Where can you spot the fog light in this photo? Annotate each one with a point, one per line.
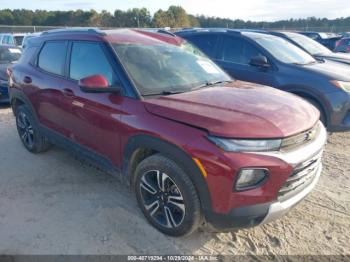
(250, 178)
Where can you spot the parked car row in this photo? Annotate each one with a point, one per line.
(196, 146)
(10, 52)
(16, 39)
(329, 40)
(8, 56)
(267, 59)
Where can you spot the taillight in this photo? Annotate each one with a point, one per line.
(348, 49)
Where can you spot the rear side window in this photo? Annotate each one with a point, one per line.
(52, 57)
(237, 50)
(205, 42)
(89, 59)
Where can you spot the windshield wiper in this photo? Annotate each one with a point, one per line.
(164, 93)
(308, 63)
(213, 83)
(218, 82)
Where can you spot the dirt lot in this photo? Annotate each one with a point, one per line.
(53, 203)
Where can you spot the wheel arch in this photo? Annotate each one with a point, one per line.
(301, 92)
(17, 98)
(140, 147)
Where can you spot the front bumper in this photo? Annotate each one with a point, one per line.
(307, 167)
(255, 215)
(339, 111)
(278, 209)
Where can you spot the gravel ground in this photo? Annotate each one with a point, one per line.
(53, 203)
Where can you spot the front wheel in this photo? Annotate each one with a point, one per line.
(167, 196)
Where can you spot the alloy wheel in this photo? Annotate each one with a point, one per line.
(162, 199)
(25, 129)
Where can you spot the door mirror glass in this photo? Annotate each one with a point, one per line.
(260, 61)
(96, 84)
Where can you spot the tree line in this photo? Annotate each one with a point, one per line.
(174, 17)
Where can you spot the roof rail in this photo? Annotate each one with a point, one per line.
(162, 31)
(75, 30)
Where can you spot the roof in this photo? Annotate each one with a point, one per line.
(116, 36)
(252, 33)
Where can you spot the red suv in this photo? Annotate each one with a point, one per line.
(195, 146)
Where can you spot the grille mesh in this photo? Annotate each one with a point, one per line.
(301, 177)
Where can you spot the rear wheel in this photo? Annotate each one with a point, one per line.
(28, 131)
(167, 196)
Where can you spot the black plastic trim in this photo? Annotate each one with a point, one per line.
(242, 217)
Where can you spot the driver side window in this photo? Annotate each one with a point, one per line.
(89, 59)
(238, 50)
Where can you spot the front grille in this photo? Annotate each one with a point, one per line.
(301, 138)
(301, 177)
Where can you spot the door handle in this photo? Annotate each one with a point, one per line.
(68, 92)
(27, 80)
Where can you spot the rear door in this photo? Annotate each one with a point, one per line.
(46, 86)
(234, 57)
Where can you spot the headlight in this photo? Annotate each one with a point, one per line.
(341, 84)
(246, 145)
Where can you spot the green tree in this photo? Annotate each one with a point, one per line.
(6, 17)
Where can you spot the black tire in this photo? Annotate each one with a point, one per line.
(323, 118)
(29, 132)
(170, 215)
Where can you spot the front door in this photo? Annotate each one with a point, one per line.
(236, 53)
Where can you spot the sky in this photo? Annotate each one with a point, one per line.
(255, 10)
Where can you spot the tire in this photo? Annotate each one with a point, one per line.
(323, 118)
(173, 207)
(29, 132)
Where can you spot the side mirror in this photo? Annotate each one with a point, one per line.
(96, 84)
(259, 61)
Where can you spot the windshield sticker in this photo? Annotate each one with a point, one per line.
(208, 67)
(14, 51)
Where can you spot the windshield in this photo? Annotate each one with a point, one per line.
(284, 51)
(308, 44)
(8, 55)
(158, 69)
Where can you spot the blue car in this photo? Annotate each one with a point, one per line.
(312, 47)
(329, 40)
(8, 56)
(270, 60)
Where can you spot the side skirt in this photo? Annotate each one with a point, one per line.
(81, 151)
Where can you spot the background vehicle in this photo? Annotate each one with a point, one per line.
(312, 47)
(326, 39)
(155, 109)
(343, 45)
(12, 39)
(27, 37)
(273, 61)
(8, 56)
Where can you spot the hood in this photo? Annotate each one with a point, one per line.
(338, 57)
(330, 69)
(238, 110)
